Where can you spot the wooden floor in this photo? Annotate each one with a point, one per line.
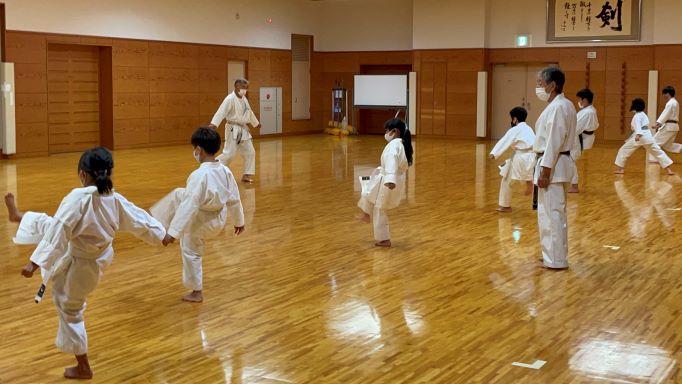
(304, 296)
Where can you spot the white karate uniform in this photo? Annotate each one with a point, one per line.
(376, 197)
(667, 133)
(237, 136)
(74, 248)
(587, 121)
(554, 135)
(521, 164)
(199, 212)
(640, 126)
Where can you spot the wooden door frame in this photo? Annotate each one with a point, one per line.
(106, 89)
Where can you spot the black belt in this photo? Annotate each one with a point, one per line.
(565, 153)
(671, 122)
(580, 138)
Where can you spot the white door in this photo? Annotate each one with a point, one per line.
(270, 110)
(235, 70)
(514, 86)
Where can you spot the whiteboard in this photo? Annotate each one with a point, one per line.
(380, 91)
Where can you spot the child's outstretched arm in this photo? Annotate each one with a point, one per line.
(137, 221)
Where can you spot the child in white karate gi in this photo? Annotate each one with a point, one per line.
(386, 187)
(74, 247)
(199, 211)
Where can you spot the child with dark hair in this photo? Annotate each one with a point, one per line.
(199, 211)
(74, 247)
(521, 165)
(385, 189)
(668, 124)
(641, 137)
(586, 124)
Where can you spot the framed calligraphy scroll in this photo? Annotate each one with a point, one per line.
(593, 20)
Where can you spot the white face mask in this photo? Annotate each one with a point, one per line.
(242, 92)
(197, 156)
(388, 137)
(542, 94)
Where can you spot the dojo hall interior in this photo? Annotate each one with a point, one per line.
(304, 295)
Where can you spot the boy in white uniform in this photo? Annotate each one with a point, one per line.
(641, 137)
(521, 164)
(668, 124)
(199, 211)
(587, 124)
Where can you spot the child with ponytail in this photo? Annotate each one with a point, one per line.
(385, 189)
(74, 247)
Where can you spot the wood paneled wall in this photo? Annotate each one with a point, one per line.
(447, 84)
(161, 90)
(616, 76)
(447, 81)
(327, 68)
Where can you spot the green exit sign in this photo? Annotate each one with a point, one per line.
(522, 41)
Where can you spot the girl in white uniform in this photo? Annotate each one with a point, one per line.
(641, 137)
(385, 188)
(74, 247)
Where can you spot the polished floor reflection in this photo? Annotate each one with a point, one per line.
(304, 296)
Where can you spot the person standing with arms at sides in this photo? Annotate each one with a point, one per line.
(641, 137)
(520, 165)
(584, 131)
(555, 135)
(668, 124)
(385, 189)
(237, 113)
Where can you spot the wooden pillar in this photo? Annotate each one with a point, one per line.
(2, 32)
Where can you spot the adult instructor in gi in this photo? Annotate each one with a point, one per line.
(555, 135)
(235, 109)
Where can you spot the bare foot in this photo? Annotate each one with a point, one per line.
(15, 215)
(669, 171)
(79, 372)
(504, 209)
(247, 179)
(194, 297)
(383, 243)
(574, 189)
(365, 218)
(619, 171)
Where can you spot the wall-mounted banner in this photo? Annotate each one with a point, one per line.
(593, 20)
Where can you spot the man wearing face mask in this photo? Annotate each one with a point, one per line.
(584, 132)
(555, 135)
(519, 167)
(237, 112)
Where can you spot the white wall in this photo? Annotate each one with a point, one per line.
(198, 21)
(363, 25)
(667, 28)
(529, 17)
(338, 25)
(449, 24)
